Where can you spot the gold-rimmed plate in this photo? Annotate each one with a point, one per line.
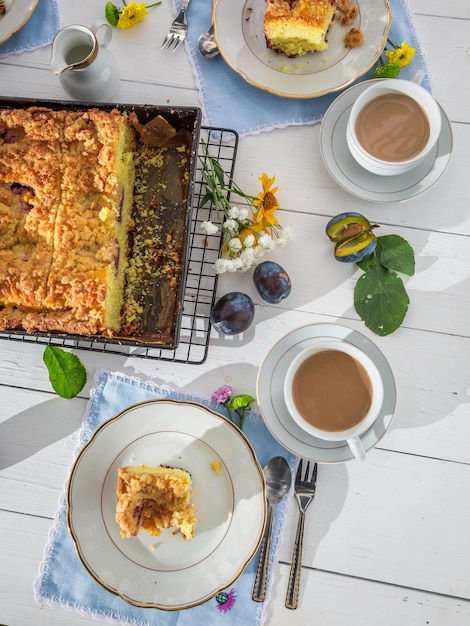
(17, 14)
(167, 572)
(239, 32)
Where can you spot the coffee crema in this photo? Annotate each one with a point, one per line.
(332, 391)
(392, 127)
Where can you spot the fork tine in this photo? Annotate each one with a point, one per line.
(307, 472)
(314, 473)
(166, 41)
(172, 41)
(177, 42)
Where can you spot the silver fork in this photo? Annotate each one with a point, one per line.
(304, 489)
(178, 30)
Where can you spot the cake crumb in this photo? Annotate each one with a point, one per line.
(353, 38)
(215, 467)
(342, 5)
(349, 16)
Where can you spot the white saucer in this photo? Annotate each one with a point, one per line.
(363, 184)
(269, 388)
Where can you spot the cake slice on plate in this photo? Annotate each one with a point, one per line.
(150, 498)
(295, 27)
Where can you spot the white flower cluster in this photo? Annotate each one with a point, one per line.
(243, 254)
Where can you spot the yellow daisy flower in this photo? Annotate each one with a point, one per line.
(402, 55)
(132, 14)
(266, 202)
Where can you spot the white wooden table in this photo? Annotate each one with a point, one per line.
(387, 540)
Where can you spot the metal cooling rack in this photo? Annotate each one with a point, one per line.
(201, 281)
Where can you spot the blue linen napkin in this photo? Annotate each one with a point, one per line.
(38, 31)
(64, 581)
(228, 101)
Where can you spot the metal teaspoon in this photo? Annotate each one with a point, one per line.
(278, 481)
(206, 43)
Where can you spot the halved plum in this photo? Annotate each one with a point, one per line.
(347, 225)
(356, 248)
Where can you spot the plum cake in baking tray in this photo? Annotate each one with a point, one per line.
(95, 205)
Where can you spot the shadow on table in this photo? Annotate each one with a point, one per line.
(38, 427)
(430, 367)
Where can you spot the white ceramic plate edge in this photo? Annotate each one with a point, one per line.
(15, 18)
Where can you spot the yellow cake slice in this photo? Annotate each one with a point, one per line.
(93, 221)
(295, 27)
(150, 498)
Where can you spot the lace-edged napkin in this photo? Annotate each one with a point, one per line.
(64, 581)
(228, 101)
(38, 31)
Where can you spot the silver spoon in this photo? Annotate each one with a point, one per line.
(278, 481)
(206, 43)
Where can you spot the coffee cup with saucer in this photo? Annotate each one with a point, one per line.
(362, 183)
(393, 125)
(334, 392)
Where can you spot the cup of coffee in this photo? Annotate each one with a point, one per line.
(392, 127)
(334, 392)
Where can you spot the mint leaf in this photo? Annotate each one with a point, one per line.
(395, 253)
(380, 299)
(66, 372)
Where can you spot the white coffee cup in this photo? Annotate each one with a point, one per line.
(393, 126)
(322, 388)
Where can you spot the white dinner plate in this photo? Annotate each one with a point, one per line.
(167, 572)
(239, 32)
(271, 401)
(17, 14)
(362, 183)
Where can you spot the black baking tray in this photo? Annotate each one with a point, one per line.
(176, 220)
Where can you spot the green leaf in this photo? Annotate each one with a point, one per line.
(364, 264)
(207, 198)
(395, 253)
(242, 401)
(219, 172)
(111, 13)
(66, 372)
(381, 300)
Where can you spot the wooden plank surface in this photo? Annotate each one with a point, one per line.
(385, 540)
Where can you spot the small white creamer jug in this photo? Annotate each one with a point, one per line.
(86, 69)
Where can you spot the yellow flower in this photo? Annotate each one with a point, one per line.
(257, 229)
(266, 202)
(402, 55)
(132, 14)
